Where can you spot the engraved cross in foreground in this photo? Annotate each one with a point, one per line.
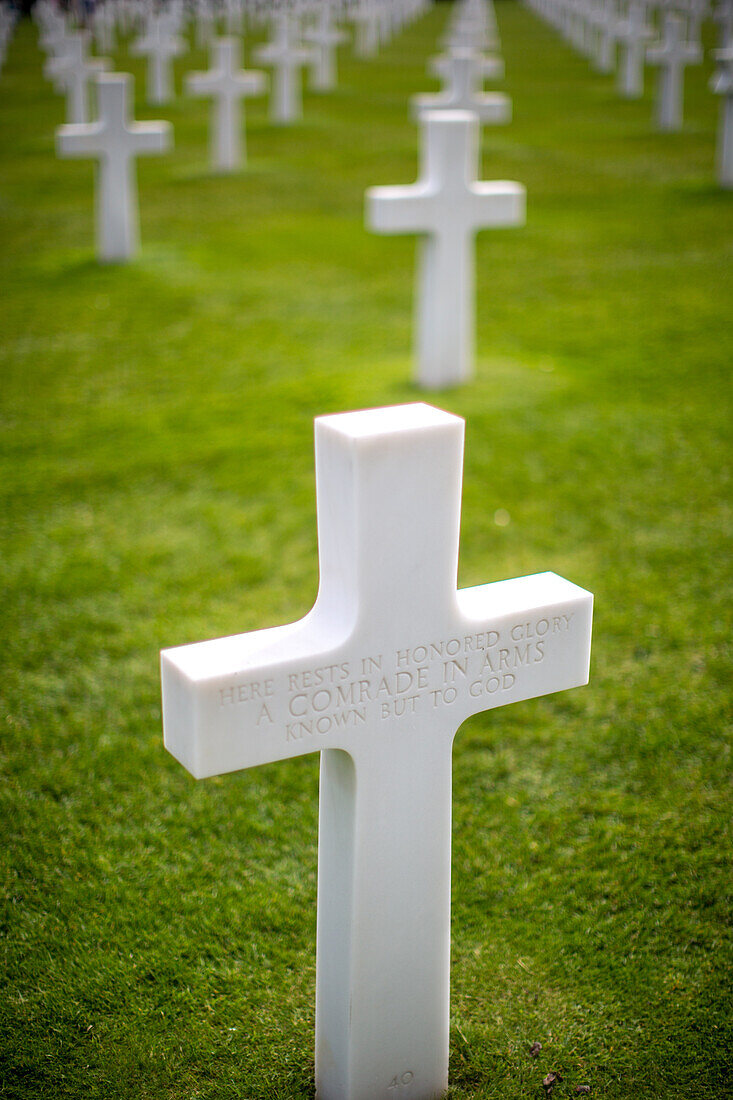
(378, 677)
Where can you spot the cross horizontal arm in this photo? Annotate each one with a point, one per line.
(495, 203)
(522, 638)
(81, 139)
(688, 53)
(151, 137)
(391, 648)
(382, 499)
(273, 694)
(413, 208)
(400, 208)
(227, 703)
(203, 84)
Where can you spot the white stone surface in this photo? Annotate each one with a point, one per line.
(53, 26)
(694, 11)
(115, 141)
(324, 38)
(205, 18)
(446, 206)
(632, 34)
(103, 22)
(234, 16)
(378, 677)
(488, 66)
(721, 84)
(160, 44)
(462, 92)
(72, 71)
(228, 84)
(606, 25)
(365, 15)
(59, 49)
(472, 25)
(672, 54)
(287, 56)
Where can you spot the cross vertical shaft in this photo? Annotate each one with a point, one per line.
(445, 308)
(721, 84)
(384, 836)
(382, 993)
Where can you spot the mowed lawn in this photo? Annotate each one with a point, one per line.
(158, 934)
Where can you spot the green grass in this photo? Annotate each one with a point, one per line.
(158, 934)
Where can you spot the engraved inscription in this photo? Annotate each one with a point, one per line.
(246, 692)
(326, 699)
(401, 1079)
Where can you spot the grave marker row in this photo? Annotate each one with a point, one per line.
(625, 27)
(393, 657)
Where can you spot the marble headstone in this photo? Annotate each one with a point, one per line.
(462, 92)
(632, 34)
(160, 44)
(672, 54)
(446, 207)
(114, 140)
(721, 84)
(489, 66)
(72, 71)
(228, 84)
(378, 677)
(324, 38)
(287, 57)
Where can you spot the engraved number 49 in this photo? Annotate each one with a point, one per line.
(401, 1079)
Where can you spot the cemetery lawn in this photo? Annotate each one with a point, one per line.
(158, 934)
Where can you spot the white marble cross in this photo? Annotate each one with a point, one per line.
(606, 23)
(462, 92)
(721, 84)
(472, 25)
(229, 85)
(234, 16)
(205, 16)
(672, 54)
(287, 57)
(71, 70)
(697, 11)
(53, 27)
(104, 23)
(632, 34)
(378, 677)
(160, 45)
(366, 17)
(488, 66)
(115, 141)
(446, 207)
(58, 50)
(579, 28)
(324, 38)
